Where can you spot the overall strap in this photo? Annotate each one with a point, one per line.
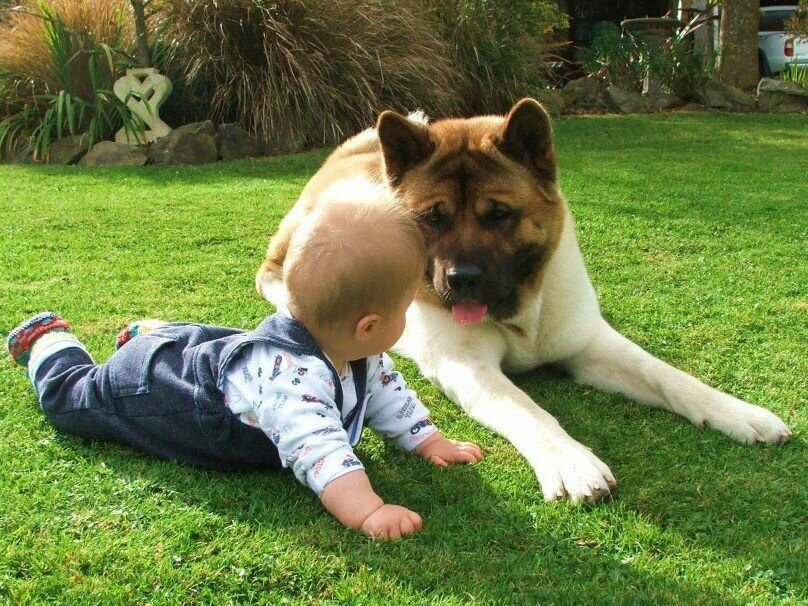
(359, 369)
(287, 333)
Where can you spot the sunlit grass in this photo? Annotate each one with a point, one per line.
(693, 228)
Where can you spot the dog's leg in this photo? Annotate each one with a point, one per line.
(612, 362)
(565, 468)
(270, 287)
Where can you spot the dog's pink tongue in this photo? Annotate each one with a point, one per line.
(469, 312)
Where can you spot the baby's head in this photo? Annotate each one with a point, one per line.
(352, 268)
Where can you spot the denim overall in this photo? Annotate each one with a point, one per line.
(162, 393)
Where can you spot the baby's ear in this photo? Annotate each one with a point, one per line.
(365, 326)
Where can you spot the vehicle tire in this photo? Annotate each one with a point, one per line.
(763, 66)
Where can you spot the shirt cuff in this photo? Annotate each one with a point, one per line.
(417, 433)
(330, 467)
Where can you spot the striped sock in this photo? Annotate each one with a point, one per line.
(21, 340)
(140, 327)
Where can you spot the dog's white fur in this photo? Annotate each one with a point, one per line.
(561, 325)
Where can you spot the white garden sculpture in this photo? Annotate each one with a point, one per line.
(144, 90)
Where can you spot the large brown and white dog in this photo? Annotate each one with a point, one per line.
(506, 289)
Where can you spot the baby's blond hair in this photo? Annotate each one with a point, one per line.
(357, 253)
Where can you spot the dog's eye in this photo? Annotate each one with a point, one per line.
(499, 212)
(433, 216)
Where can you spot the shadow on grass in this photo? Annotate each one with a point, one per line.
(503, 545)
(507, 546)
(474, 549)
(747, 502)
(698, 129)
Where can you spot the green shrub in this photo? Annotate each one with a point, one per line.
(624, 60)
(614, 57)
(678, 64)
(792, 72)
(499, 48)
(797, 24)
(57, 68)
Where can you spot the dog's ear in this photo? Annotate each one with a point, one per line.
(527, 137)
(404, 144)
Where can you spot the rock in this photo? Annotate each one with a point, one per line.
(67, 150)
(553, 101)
(720, 96)
(781, 97)
(625, 101)
(663, 102)
(109, 153)
(771, 85)
(782, 104)
(190, 144)
(235, 143)
(22, 158)
(583, 93)
(17, 155)
(742, 100)
(692, 107)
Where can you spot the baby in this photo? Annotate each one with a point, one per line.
(293, 393)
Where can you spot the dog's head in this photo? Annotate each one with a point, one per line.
(485, 192)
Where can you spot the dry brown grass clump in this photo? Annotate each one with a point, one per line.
(58, 62)
(308, 71)
(296, 73)
(26, 47)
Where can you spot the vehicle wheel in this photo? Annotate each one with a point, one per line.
(763, 66)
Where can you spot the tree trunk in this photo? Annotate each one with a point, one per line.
(737, 45)
(139, 8)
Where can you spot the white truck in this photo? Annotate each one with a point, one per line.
(775, 47)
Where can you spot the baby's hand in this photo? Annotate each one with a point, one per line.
(442, 452)
(391, 522)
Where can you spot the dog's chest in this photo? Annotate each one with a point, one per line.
(523, 338)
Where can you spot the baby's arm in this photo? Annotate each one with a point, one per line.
(351, 499)
(443, 452)
(295, 406)
(397, 414)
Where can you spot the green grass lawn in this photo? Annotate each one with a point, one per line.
(693, 227)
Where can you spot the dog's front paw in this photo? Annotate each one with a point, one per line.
(567, 470)
(747, 423)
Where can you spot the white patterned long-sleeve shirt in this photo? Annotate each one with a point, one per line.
(292, 398)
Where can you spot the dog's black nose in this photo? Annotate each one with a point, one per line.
(464, 279)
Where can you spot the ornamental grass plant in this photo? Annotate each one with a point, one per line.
(313, 71)
(500, 48)
(26, 48)
(58, 61)
(295, 73)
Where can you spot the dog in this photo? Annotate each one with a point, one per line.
(506, 289)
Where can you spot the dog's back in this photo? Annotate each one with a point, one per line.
(357, 157)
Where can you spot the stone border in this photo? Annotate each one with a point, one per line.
(592, 95)
(200, 143)
(196, 143)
